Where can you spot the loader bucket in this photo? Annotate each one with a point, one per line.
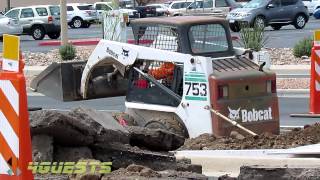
(62, 81)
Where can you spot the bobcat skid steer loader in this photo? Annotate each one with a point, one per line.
(176, 70)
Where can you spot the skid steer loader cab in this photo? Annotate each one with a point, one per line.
(178, 68)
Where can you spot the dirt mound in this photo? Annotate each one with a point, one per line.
(143, 173)
(296, 137)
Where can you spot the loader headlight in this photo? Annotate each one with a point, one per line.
(223, 91)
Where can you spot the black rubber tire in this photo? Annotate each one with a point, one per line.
(169, 124)
(296, 22)
(276, 27)
(38, 32)
(76, 23)
(234, 27)
(55, 35)
(257, 23)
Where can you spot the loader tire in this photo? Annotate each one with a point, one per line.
(170, 124)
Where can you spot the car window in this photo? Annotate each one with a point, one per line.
(288, 2)
(14, 14)
(176, 6)
(42, 11)
(70, 8)
(27, 13)
(208, 38)
(185, 4)
(208, 4)
(54, 10)
(276, 3)
(86, 7)
(221, 3)
(103, 7)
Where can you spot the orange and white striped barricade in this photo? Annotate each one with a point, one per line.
(15, 139)
(314, 110)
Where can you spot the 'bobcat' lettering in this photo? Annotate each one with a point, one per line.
(250, 115)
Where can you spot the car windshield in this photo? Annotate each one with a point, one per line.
(255, 4)
(208, 38)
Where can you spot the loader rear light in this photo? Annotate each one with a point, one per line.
(223, 92)
(271, 86)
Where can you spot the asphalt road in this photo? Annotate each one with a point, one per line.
(287, 107)
(286, 37)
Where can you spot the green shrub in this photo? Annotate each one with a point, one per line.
(303, 47)
(252, 38)
(67, 52)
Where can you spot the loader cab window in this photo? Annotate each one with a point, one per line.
(165, 85)
(209, 38)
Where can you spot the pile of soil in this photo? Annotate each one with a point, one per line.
(297, 137)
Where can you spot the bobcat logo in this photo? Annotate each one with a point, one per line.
(125, 52)
(234, 114)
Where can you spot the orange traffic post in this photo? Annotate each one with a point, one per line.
(15, 139)
(314, 111)
(315, 80)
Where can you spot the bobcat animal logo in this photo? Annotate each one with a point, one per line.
(125, 52)
(234, 114)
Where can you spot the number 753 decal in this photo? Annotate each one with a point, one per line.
(196, 89)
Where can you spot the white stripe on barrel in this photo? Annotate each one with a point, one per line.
(9, 135)
(4, 168)
(11, 93)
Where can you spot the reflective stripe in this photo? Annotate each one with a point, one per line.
(4, 168)
(11, 93)
(9, 134)
(317, 67)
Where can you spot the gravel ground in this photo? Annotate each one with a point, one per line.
(293, 83)
(284, 56)
(44, 59)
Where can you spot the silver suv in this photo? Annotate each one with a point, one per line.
(38, 21)
(276, 13)
(81, 15)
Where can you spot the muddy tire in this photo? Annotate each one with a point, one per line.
(169, 124)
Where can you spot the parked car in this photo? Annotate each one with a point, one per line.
(211, 7)
(38, 21)
(316, 13)
(9, 26)
(81, 15)
(161, 9)
(175, 7)
(146, 11)
(276, 13)
(106, 6)
(312, 5)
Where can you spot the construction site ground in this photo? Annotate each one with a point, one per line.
(136, 152)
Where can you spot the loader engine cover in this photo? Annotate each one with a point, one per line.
(244, 94)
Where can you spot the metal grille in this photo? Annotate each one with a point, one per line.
(233, 64)
(159, 37)
(208, 38)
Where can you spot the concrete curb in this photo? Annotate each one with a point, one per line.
(217, 163)
(293, 93)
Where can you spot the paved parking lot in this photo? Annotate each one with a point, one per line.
(286, 37)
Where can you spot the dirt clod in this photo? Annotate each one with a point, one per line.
(42, 148)
(291, 139)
